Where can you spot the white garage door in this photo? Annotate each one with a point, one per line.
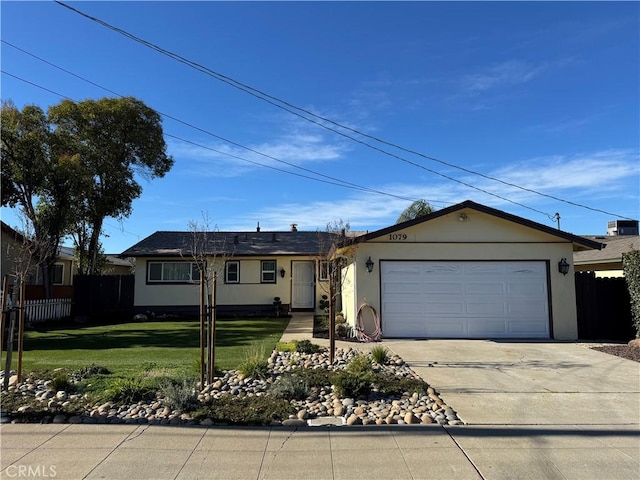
(464, 299)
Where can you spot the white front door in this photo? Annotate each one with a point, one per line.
(424, 299)
(303, 284)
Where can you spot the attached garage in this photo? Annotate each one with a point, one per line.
(457, 299)
(466, 271)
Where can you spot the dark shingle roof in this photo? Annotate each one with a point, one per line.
(170, 244)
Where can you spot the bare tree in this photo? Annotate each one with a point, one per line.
(206, 248)
(19, 248)
(337, 250)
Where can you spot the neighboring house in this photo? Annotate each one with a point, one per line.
(253, 268)
(467, 271)
(15, 257)
(606, 262)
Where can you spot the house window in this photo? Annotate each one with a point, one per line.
(232, 272)
(268, 271)
(323, 270)
(172, 272)
(58, 271)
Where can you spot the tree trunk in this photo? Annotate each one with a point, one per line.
(94, 246)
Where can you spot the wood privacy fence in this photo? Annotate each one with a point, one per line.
(103, 297)
(603, 307)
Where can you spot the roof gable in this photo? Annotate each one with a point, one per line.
(539, 230)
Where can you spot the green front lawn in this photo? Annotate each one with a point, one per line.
(133, 348)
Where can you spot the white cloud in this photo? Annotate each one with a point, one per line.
(575, 178)
(227, 160)
(512, 72)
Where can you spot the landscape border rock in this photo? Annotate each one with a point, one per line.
(424, 407)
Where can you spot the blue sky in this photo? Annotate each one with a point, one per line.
(543, 95)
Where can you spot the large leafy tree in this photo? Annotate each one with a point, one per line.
(36, 177)
(419, 208)
(68, 170)
(118, 141)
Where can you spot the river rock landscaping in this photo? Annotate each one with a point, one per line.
(301, 388)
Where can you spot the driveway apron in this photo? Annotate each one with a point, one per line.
(527, 383)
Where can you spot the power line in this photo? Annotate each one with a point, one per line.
(330, 181)
(277, 102)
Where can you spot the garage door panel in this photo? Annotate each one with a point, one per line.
(441, 268)
(454, 288)
(407, 308)
(465, 299)
(436, 308)
(484, 268)
(445, 329)
(403, 288)
(527, 308)
(486, 308)
(529, 327)
(488, 288)
(481, 327)
(528, 289)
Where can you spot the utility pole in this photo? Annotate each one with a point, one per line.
(556, 217)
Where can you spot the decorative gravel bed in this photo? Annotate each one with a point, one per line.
(628, 351)
(322, 406)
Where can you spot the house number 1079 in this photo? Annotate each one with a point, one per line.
(398, 237)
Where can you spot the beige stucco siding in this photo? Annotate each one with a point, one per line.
(249, 290)
(481, 237)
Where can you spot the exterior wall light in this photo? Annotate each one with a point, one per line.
(463, 217)
(282, 272)
(369, 265)
(563, 266)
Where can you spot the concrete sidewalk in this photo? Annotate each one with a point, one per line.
(402, 452)
(594, 449)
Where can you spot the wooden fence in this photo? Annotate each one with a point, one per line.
(603, 307)
(47, 309)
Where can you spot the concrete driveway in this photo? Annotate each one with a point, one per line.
(527, 383)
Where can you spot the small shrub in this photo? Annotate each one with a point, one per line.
(61, 382)
(245, 410)
(89, 371)
(290, 387)
(179, 394)
(254, 365)
(360, 365)
(305, 346)
(130, 390)
(380, 354)
(355, 380)
(315, 377)
(631, 267)
(286, 346)
(352, 386)
(392, 385)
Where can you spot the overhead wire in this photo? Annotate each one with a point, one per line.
(287, 106)
(330, 180)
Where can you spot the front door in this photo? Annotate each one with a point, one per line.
(303, 284)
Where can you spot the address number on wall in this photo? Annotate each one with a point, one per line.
(397, 237)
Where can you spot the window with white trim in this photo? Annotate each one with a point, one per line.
(58, 274)
(232, 272)
(172, 272)
(323, 270)
(268, 271)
